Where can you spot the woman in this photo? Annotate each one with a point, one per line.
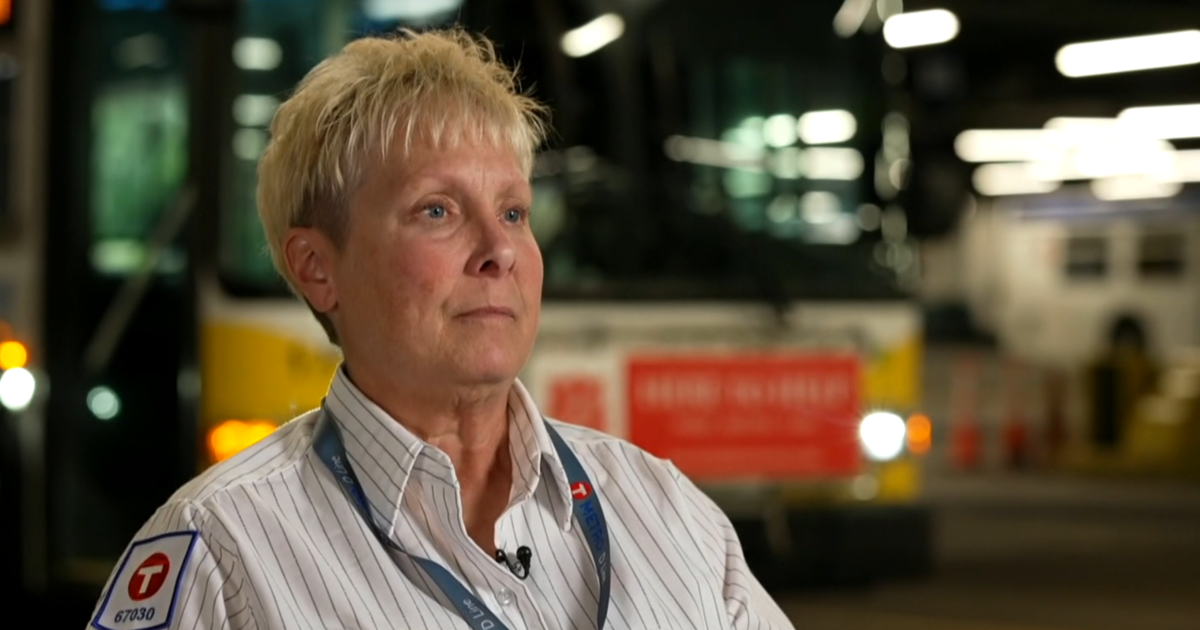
(427, 492)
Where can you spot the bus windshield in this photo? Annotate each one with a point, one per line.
(677, 170)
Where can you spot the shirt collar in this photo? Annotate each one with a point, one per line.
(385, 454)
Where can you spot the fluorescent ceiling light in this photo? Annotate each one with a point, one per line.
(17, 387)
(708, 152)
(820, 206)
(1107, 155)
(1080, 126)
(1001, 145)
(833, 163)
(1129, 53)
(1163, 122)
(593, 36)
(1010, 179)
(409, 10)
(850, 17)
(779, 130)
(254, 110)
(920, 28)
(827, 126)
(257, 53)
(1122, 187)
(1187, 166)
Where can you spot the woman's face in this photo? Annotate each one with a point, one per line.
(439, 280)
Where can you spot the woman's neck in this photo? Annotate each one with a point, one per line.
(471, 427)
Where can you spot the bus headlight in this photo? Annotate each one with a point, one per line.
(882, 435)
(233, 436)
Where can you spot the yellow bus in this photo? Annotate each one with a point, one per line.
(722, 228)
(692, 209)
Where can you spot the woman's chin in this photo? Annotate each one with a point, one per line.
(491, 367)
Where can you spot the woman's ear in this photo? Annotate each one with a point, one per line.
(310, 257)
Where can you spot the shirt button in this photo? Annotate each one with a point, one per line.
(504, 596)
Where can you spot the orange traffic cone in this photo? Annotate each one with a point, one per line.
(1016, 441)
(1015, 431)
(966, 435)
(965, 441)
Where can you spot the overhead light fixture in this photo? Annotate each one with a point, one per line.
(996, 180)
(1001, 145)
(257, 53)
(17, 386)
(1128, 54)
(1166, 122)
(593, 36)
(833, 163)
(1187, 165)
(827, 127)
(850, 17)
(920, 28)
(254, 110)
(1127, 187)
(1080, 126)
(410, 10)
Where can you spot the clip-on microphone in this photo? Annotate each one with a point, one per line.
(520, 568)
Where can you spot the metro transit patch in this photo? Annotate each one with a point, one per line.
(143, 592)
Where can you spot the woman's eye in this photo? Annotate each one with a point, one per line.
(435, 211)
(514, 215)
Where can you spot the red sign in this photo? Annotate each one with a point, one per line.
(578, 399)
(149, 577)
(742, 416)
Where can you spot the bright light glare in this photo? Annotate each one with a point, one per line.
(827, 127)
(1066, 149)
(820, 207)
(254, 110)
(1000, 145)
(833, 163)
(257, 53)
(1129, 53)
(850, 17)
(16, 388)
(920, 28)
(786, 163)
(920, 434)
(103, 403)
(593, 36)
(780, 130)
(882, 435)
(708, 152)
(408, 10)
(1187, 166)
(1124, 187)
(1105, 155)
(1010, 179)
(1164, 122)
(13, 355)
(1077, 128)
(232, 436)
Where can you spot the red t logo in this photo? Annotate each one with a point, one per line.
(581, 490)
(149, 577)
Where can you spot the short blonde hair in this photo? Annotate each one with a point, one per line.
(444, 87)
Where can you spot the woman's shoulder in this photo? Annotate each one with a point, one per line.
(277, 453)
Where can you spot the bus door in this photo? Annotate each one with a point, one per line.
(118, 308)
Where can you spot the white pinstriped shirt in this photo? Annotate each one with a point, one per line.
(277, 543)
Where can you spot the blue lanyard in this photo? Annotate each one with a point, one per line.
(588, 513)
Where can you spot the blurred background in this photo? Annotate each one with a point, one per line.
(910, 287)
